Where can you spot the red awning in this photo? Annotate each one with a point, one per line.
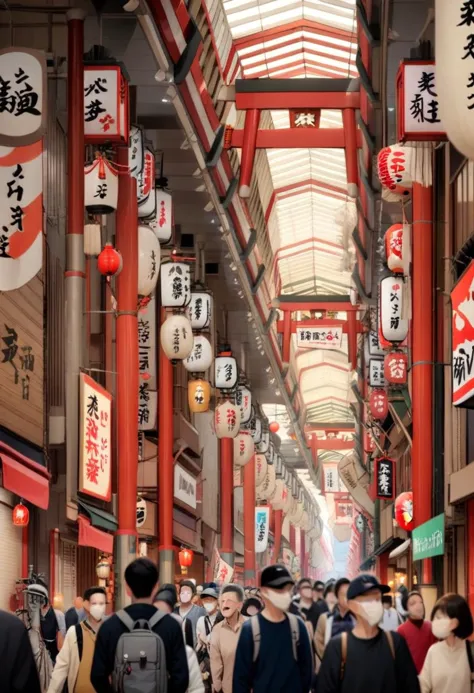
(93, 537)
(25, 478)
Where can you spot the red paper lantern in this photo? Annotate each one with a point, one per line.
(20, 515)
(397, 248)
(109, 261)
(404, 511)
(274, 427)
(395, 368)
(185, 560)
(378, 404)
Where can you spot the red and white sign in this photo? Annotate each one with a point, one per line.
(344, 512)
(106, 105)
(310, 118)
(162, 224)
(378, 404)
(418, 117)
(396, 368)
(95, 472)
(462, 301)
(394, 171)
(223, 572)
(393, 327)
(324, 337)
(146, 187)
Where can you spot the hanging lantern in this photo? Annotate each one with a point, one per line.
(226, 372)
(175, 284)
(92, 240)
(200, 310)
(369, 444)
(102, 569)
(378, 404)
(227, 420)
(267, 488)
(394, 164)
(264, 445)
(396, 368)
(109, 261)
(376, 376)
(397, 248)
(256, 429)
(274, 427)
(199, 395)
(149, 255)
(185, 557)
(243, 398)
(280, 495)
(176, 337)
(136, 151)
(289, 505)
(146, 186)
(244, 448)
(261, 467)
(20, 515)
(200, 358)
(100, 186)
(162, 224)
(271, 454)
(393, 327)
(404, 511)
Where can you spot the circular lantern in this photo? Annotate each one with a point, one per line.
(200, 358)
(146, 187)
(162, 224)
(404, 511)
(136, 151)
(396, 368)
(100, 186)
(261, 467)
(244, 448)
(274, 427)
(176, 337)
(200, 310)
(175, 279)
(102, 569)
(297, 515)
(378, 404)
(289, 504)
(109, 261)
(226, 372)
(393, 164)
(393, 327)
(185, 560)
(149, 255)
(227, 420)
(20, 515)
(397, 248)
(267, 487)
(243, 398)
(199, 395)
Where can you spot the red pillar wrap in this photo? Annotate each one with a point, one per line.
(249, 519)
(350, 145)
(352, 338)
(286, 336)
(278, 515)
(252, 120)
(293, 538)
(165, 450)
(227, 494)
(382, 568)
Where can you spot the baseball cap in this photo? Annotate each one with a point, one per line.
(276, 576)
(318, 586)
(210, 592)
(364, 583)
(167, 594)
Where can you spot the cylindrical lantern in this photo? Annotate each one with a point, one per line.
(185, 557)
(162, 224)
(378, 404)
(175, 284)
(256, 429)
(267, 488)
(244, 448)
(20, 515)
(136, 151)
(404, 511)
(176, 337)
(200, 358)
(227, 420)
(199, 395)
(102, 569)
(280, 495)
(109, 261)
(261, 467)
(393, 327)
(146, 186)
(396, 368)
(243, 397)
(149, 256)
(264, 445)
(274, 427)
(100, 186)
(397, 248)
(200, 310)
(394, 164)
(226, 372)
(92, 240)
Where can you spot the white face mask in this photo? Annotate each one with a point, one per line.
(209, 607)
(372, 612)
(185, 597)
(97, 611)
(441, 628)
(282, 600)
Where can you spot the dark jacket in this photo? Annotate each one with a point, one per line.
(17, 664)
(74, 616)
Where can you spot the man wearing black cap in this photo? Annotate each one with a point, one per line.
(274, 652)
(367, 659)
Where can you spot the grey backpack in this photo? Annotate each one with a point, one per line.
(140, 659)
(257, 636)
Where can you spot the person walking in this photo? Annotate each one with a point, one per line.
(187, 609)
(141, 578)
(74, 661)
(448, 666)
(416, 630)
(17, 663)
(205, 624)
(224, 638)
(391, 618)
(307, 606)
(76, 614)
(318, 589)
(339, 621)
(367, 659)
(274, 651)
(252, 606)
(51, 633)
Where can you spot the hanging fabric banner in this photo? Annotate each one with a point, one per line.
(223, 572)
(262, 521)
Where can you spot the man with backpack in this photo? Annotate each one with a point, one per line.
(339, 621)
(367, 659)
(274, 651)
(140, 648)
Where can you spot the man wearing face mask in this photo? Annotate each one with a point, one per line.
(274, 651)
(224, 638)
(205, 624)
(367, 659)
(186, 609)
(307, 606)
(416, 630)
(74, 662)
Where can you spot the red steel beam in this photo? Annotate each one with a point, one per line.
(352, 142)
(343, 306)
(353, 329)
(335, 444)
(294, 37)
(286, 337)
(295, 100)
(290, 138)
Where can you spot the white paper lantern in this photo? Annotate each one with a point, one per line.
(244, 448)
(304, 524)
(200, 358)
(100, 186)
(271, 454)
(264, 445)
(394, 169)
(149, 256)
(225, 373)
(256, 429)
(162, 224)
(297, 514)
(175, 284)
(267, 488)
(227, 420)
(146, 186)
(289, 504)
(136, 151)
(243, 398)
(393, 327)
(316, 531)
(176, 337)
(200, 310)
(261, 467)
(280, 496)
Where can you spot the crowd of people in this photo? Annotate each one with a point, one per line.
(345, 636)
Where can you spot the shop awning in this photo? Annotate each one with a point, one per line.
(400, 550)
(25, 478)
(97, 517)
(93, 537)
(388, 546)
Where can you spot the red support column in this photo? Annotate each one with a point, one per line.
(165, 466)
(422, 356)
(350, 145)
(382, 568)
(227, 499)
(286, 337)
(127, 371)
(278, 516)
(249, 522)
(252, 121)
(352, 339)
(292, 538)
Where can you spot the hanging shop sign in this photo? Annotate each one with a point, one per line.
(147, 407)
(147, 343)
(162, 224)
(393, 327)
(176, 337)
(393, 165)
(378, 405)
(376, 373)
(332, 481)
(427, 540)
(384, 478)
(324, 337)
(141, 512)
(141, 446)
(223, 572)
(227, 420)
(462, 307)
(373, 345)
(200, 358)
(396, 368)
(310, 118)
(256, 429)
(184, 486)
(23, 95)
(106, 104)
(356, 480)
(243, 399)
(418, 117)
(146, 186)
(264, 445)
(175, 284)
(21, 215)
(200, 310)
(100, 186)
(454, 40)
(262, 526)
(149, 256)
(136, 151)
(244, 448)
(95, 460)
(199, 396)
(261, 467)
(404, 511)
(397, 248)
(369, 444)
(344, 511)
(226, 372)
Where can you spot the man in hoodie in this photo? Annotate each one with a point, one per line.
(186, 609)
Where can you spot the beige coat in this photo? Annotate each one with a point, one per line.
(67, 664)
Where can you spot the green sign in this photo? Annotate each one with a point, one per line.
(428, 539)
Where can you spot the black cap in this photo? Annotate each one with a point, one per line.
(364, 583)
(318, 586)
(276, 576)
(167, 594)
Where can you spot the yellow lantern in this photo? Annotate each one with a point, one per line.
(199, 395)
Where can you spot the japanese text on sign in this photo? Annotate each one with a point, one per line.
(21, 359)
(384, 478)
(325, 337)
(147, 407)
(96, 452)
(463, 337)
(147, 343)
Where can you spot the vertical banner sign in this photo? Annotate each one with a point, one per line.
(376, 373)
(332, 481)
(223, 572)
(418, 116)
(147, 408)
(106, 106)
(95, 471)
(384, 475)
(463, 338)
(324, 337)
(262, 521)
(344, 511)
(147, 343)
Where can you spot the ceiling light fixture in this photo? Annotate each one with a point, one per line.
(165, 101)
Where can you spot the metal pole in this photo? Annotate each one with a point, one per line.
(249, 522)
(352, 339)
(226, 447)
(278, 518)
